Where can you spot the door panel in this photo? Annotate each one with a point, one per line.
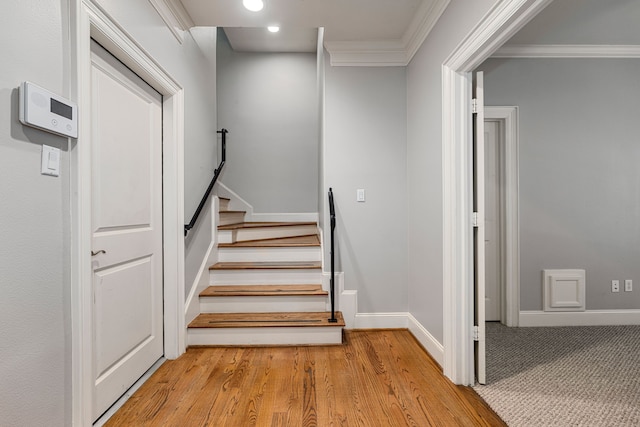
(126, 144)
(479, 230)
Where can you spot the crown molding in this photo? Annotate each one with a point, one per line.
(174, 16)
(568, 51)
(367, 54)
(389, 52)
(421, 26)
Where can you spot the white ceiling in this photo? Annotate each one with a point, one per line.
(352, 25)
(388, 32)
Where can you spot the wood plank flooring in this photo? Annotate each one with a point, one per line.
(377, 378)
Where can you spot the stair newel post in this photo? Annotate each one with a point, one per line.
(332, 213)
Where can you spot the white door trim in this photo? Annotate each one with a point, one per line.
(500, 23)
(89, 21)
(510, 293)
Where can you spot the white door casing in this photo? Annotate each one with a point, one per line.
(507, 117)
(479, 225)
(89, 21)
(492, 221)
(126, 123)
(504, 19)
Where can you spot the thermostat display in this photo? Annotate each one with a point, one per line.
(45, 110)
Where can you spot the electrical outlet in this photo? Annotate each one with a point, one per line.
(628, 285)
(615, 286)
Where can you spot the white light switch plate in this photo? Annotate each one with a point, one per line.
(50, 161)
(360, 195)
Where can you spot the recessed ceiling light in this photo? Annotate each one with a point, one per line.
(253, 5)
(273, 29)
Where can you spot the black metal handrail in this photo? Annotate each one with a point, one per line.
(216, 174)
(332, 213)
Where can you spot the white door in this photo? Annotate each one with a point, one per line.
(126, 187)
(492, 212)
(479, 228)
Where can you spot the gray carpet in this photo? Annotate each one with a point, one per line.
(564, 376)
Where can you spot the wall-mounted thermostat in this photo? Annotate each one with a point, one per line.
(44, 110)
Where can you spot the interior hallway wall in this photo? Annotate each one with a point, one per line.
(579, 181)
(424, 161)
(268, 101)
(35, 366)
(35, 324)
(365, 147)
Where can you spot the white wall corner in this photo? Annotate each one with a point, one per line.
(174, 16)
(539, 318)
(432, 345)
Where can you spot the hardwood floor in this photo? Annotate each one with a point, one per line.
(377, 378)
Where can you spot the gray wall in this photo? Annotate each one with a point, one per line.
(195, 70)
(579, 175)
(424, 161)
(35, 331)
(365, 147)
(268, 101)
(34, 227)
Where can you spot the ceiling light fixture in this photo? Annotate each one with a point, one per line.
(253, 5)
(273, 28)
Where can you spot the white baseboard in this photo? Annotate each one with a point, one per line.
(402, 320)
(381, 320)
(433, 347)
(581, 318)
(239, 204)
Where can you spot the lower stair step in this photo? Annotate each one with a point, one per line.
(263, 298)
(268, 265)
(286, 328)
(263, 290)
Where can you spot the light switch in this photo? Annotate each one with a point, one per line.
(360, 195)
(50, 161)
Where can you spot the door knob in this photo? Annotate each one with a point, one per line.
(101, 251)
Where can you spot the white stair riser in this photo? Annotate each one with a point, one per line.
(269, 254)
(263, 304)
(227, 218)
(265, 277)
(223, 204)
(265, 336)
(261, 233)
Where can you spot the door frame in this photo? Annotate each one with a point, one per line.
(502, 21)
(89, 21)
(510, 226)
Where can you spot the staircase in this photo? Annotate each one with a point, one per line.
(266, 288)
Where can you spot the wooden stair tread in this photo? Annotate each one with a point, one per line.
(233, 212)
(263, 290)
(298, 241)
(267, 265)
(261, 320)
(263, 225)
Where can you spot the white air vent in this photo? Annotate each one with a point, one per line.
(564, 290)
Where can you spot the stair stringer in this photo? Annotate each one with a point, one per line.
(201, 281)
